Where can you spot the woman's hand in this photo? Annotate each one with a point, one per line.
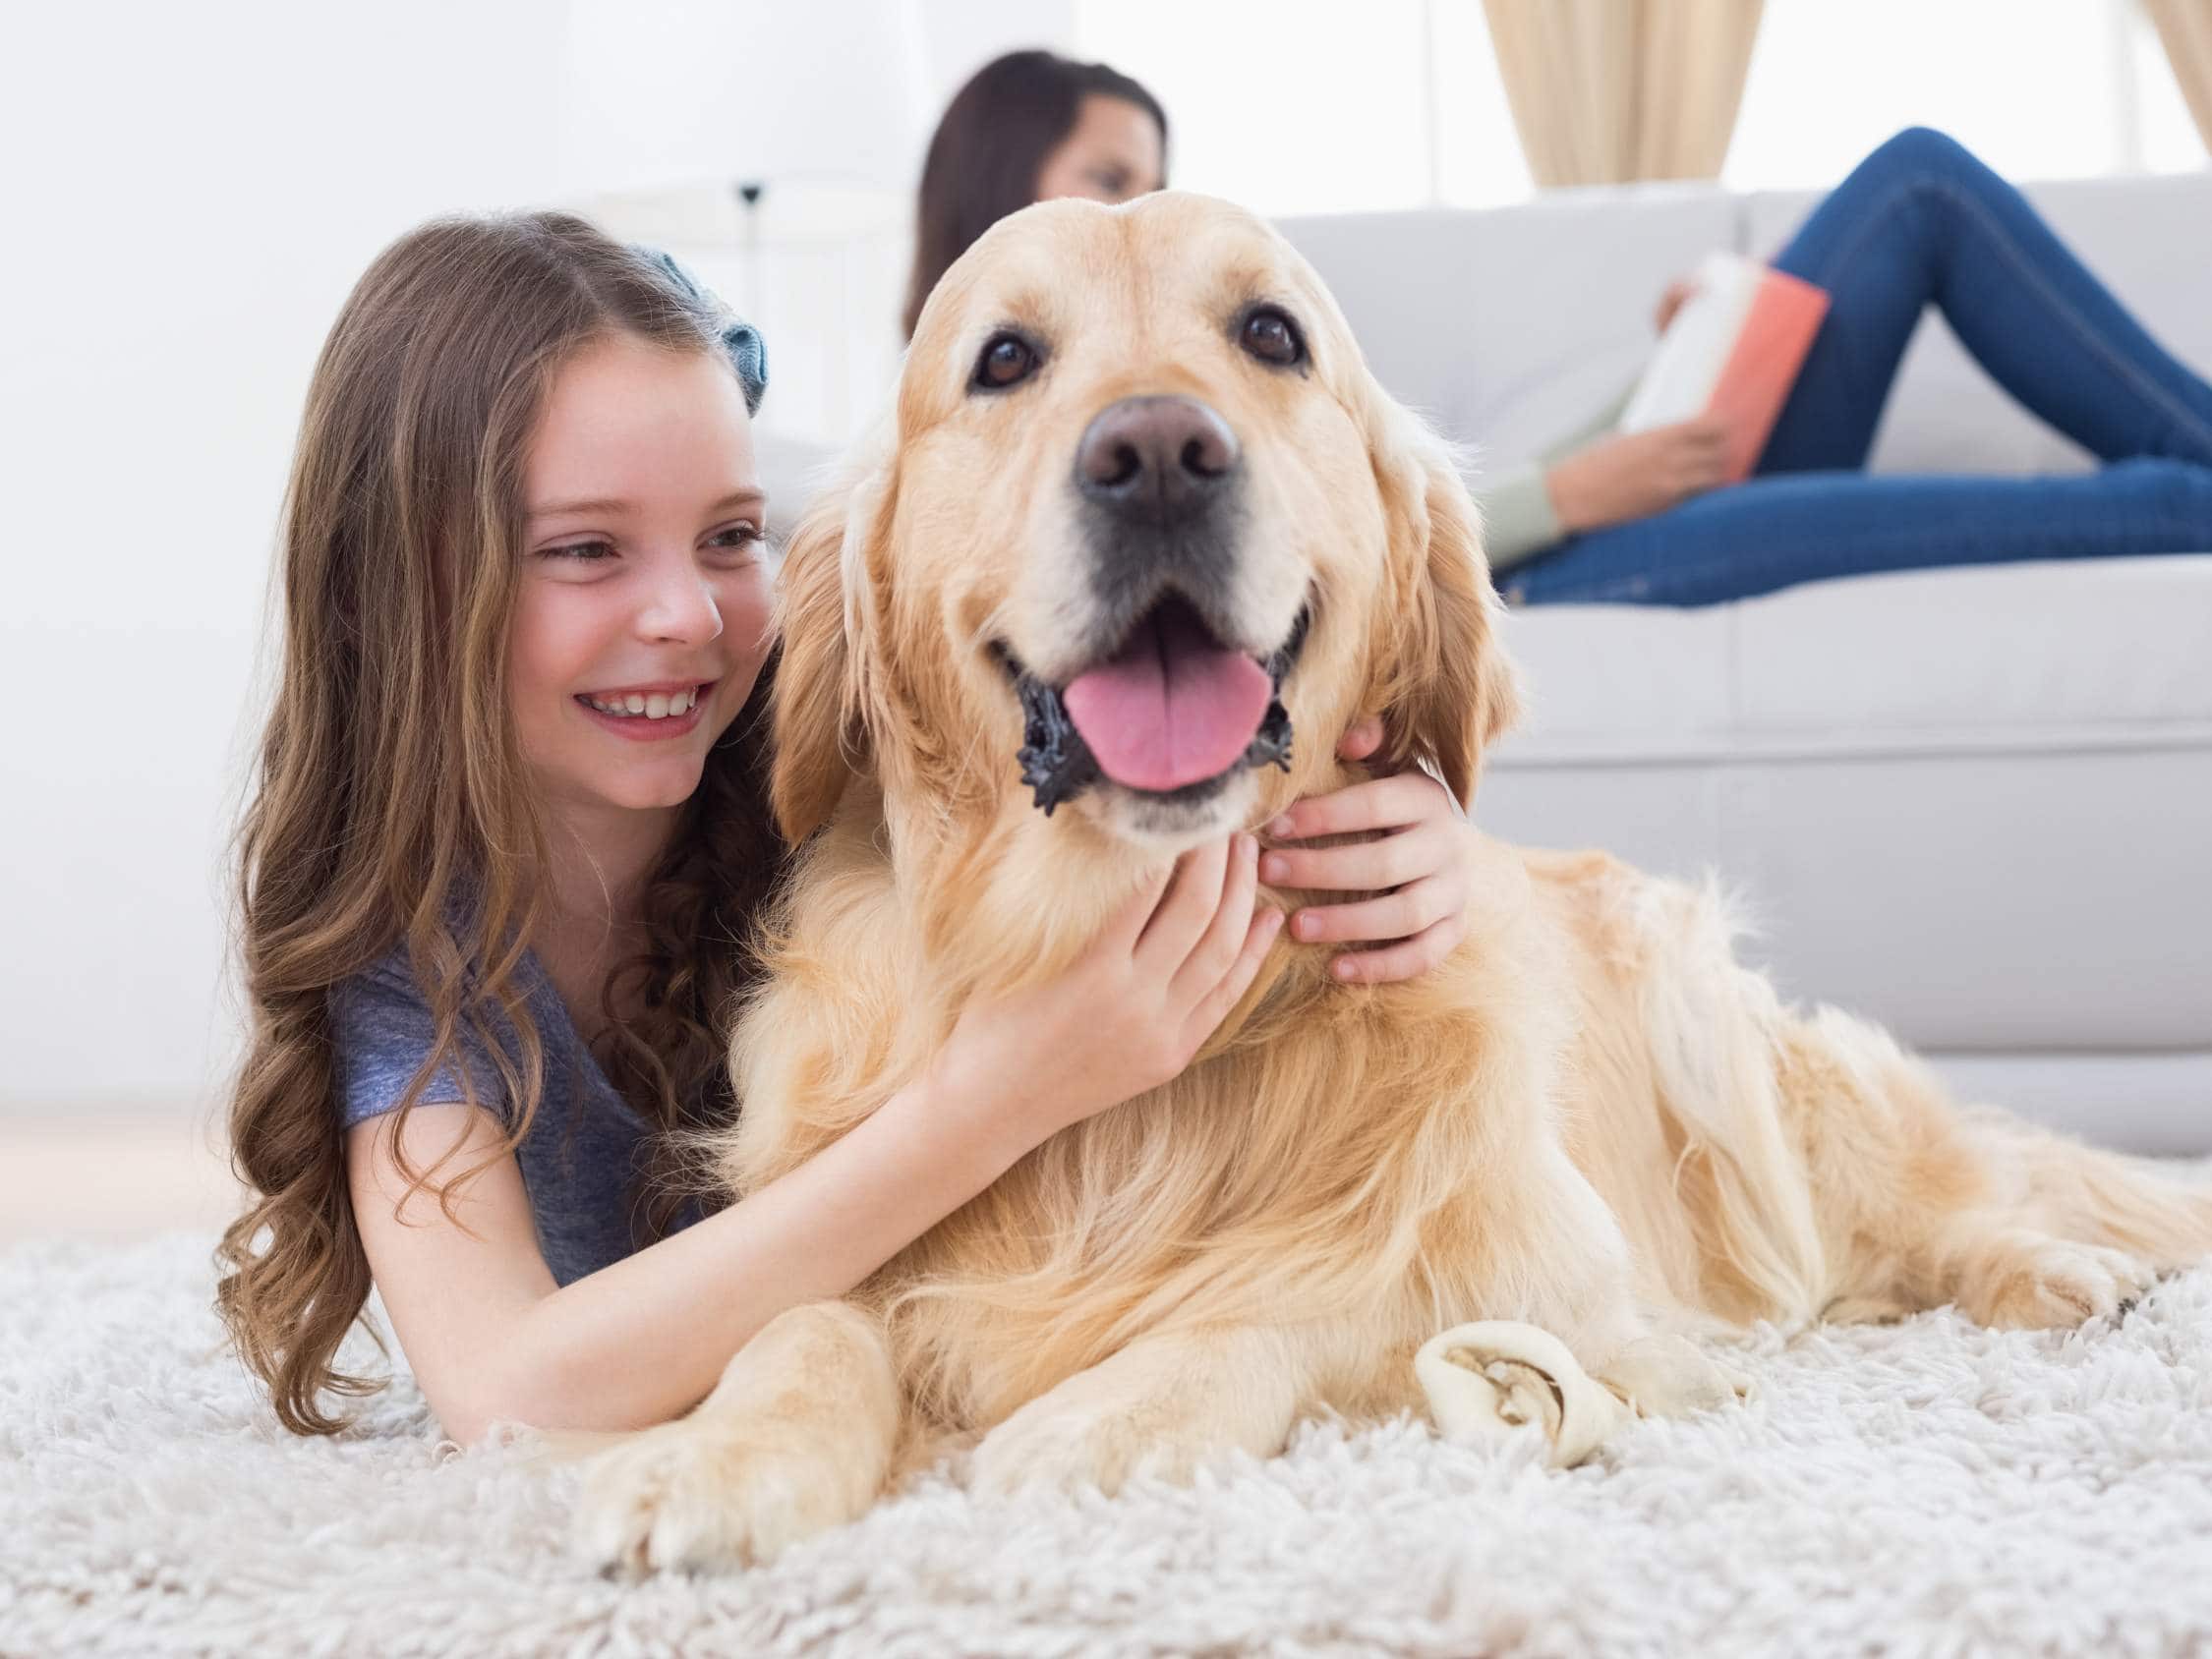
(1670, 301)
(1131, 1011)
(1420, 862)
(1633, 475)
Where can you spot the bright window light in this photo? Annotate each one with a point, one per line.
(1290, 111)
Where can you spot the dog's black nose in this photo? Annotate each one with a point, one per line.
(1156, 458)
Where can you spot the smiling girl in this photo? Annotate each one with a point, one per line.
(510, 841)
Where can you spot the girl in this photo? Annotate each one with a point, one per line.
(511, 837)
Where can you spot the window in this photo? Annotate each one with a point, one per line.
(1291, 111)
(2037, 89)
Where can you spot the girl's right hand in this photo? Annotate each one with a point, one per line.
(1131, 1011)
(1633, 475)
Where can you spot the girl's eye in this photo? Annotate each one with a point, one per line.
(736, 536)
(589, 551)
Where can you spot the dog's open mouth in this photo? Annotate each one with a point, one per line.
(1171, 714)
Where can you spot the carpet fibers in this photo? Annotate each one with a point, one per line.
(1925, 1488)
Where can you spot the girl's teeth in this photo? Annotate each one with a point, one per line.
(659, 706)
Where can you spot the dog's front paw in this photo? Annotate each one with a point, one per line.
(1065, 1443)
(682, 1498)
(1668, 1376)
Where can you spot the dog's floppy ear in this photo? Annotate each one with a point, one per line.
(819, 701)
(1447, 688)
(820, 741)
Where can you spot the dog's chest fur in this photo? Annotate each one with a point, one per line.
(1313, 1166)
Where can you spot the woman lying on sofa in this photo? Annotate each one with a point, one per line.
(1643, 517)
(1635, 518)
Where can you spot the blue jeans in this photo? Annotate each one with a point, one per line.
(1920, 220)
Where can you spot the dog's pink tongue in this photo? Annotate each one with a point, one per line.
(1174, 708)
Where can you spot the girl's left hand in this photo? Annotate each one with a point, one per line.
(1420, 865)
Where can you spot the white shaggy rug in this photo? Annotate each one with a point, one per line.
(1929, 1488)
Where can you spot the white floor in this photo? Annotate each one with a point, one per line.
(1924, 1488)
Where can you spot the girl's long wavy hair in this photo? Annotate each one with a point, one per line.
(392, 804)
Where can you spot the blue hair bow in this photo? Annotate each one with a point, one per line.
(748, 352)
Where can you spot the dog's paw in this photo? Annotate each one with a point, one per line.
(2032, 1282)
(678, 1497)
(1067, 1445)
(1866, 1310)
(1667, 1376)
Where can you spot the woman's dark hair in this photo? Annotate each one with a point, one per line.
(989, 148)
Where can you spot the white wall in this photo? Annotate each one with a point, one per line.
(191, 191)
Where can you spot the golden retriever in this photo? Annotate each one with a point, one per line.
(1144, 433)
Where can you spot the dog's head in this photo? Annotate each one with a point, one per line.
(1142, 539)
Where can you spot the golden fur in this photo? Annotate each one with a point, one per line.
(1590, 1118)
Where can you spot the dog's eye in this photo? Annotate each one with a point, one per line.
(1007, 360)
(1272, 337)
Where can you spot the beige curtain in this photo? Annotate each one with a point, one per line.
(2186, 26)
(1607, 92)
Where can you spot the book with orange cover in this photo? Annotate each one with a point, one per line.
(1733, 349)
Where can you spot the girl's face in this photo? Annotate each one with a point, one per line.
(643, 609)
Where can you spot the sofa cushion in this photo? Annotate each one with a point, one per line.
(2107, 653)
(1507, 327)
(1973, 803)
(2104, 653)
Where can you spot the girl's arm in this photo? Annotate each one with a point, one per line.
(489, 1336)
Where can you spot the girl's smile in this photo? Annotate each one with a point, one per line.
(650, 714)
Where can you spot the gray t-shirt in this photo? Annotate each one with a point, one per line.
(584, 1146)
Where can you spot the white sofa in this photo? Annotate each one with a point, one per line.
(1974, 803)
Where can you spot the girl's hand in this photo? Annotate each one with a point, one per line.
(1131, 1011)
(1422, 863)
